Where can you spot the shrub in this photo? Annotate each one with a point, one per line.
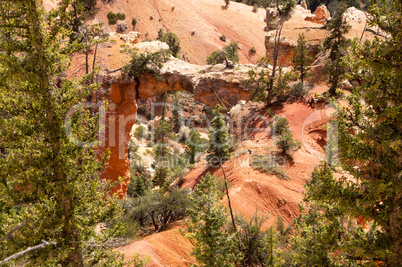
(280, 125)
(139, 132)
(172, 41)
(299, 91)
(286, 143)
(229, 52)
(253, 50)
(112, 17)
(268, 167)
(145, 63)
(134, 22)
(142, 110)
(255, 8)
(121, 16)
(160, 209)
(223, 38)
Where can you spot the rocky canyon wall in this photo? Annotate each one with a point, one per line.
(118, 95)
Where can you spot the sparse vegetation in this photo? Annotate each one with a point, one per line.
(145, 63)
(172, 41)
(134, 22)
(223, 38)
(112, 17)
(121, 16)
(228, 53)
(268, 165)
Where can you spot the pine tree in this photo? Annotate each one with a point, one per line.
(370, 148)
(214, 245)
(336, 44)
(301, 59)
(219, 140)
(193, 145)
(48, 183)
(176, 113)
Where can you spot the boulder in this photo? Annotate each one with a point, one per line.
(122, 26)
(321, 15)
(303, 4)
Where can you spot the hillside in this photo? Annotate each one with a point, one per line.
(209, 21)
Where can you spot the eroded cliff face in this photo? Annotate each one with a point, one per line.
(210, 84)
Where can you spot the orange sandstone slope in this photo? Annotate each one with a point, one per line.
(206, 18)
(167, 248)
(250, 190)
(199, 24)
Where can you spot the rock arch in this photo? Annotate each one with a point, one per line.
(121, 94)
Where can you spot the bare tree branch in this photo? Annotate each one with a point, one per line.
(18, 226)
(29, 249)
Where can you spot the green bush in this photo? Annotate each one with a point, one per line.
(268, 167)
(134, 22)
(255, 8)
(286, 143)
(112, 17)
(223, 38)
(229, 52)
(280, 125)
(160, 209)
(121, 16)
(139, 132)
(172, 41)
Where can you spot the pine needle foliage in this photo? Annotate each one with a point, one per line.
(48, 167)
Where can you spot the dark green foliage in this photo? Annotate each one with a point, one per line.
(172, 41)
(194, 145)
(88, 4)
(160, 209)
(136, 188)
(163, 133)
(260, 82)
(336, 44)
(220, 143)
(134, 22)
(142, 110)
(112, 17)
(229, 52)
(253, 240)
(334, 4)
(286, 7)
(161, 177)
(223, 38)
(370, 149)
(301, 60)
(178, 119)
(214, 244)
(145, 64)
(279, 126)
(48, 180)
(121, 16)
(253, 50)
(326, 234)
(139, 132)
(286, 143)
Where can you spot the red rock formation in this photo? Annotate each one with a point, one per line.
(205, 82)
(321, 15)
